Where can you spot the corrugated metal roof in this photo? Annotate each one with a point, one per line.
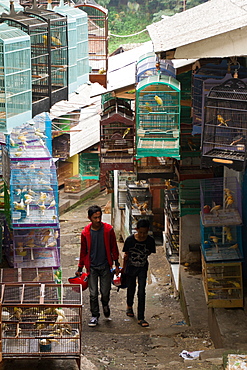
(209, 19)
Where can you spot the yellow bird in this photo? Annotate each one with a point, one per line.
(212, 280)
(235, 246)
(102, 71)
(211, 294)
(158, 100)
(126, 132)
(54, 40)
(52, 204)
(222, 120)
(215, 208)
(147, 106)
(227, 232)
(235, 283)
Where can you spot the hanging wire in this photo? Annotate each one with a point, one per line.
(133, 34)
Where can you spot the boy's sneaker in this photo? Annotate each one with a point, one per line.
(106, 311)
(93, 321)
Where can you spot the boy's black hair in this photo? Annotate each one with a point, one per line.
(143, 222)
(93, 209)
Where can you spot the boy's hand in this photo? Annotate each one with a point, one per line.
(117, 270)
(78, 273)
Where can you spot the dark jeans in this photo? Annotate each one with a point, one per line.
(103, 275)
(139, 273)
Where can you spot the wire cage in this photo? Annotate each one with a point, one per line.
(158, 117)
(89, 167)
(73, 184)
(189, 197)
(34, 197)
(221, 201)
(57, 40)
(97, 39)
(149, 65)
(36, 247)
(25, 275)
(61, 146)
(72, 46)
(117, 136)
(171, 211)
(41, 320)
(223, 284)
(224, 132)
(124, 176)
(15, 83)
(222, 243)
(38, 32)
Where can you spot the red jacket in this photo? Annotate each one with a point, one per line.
(111, 247)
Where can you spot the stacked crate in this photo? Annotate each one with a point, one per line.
(171, 210)
(139, 203)
(124, 176)
(32, 182)
(221, 241)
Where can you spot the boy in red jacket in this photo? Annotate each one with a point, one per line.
(98, 251)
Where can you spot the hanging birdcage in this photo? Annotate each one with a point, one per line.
(117, 136)
(225, 126)
(148, 65)
(57, 41)
(97, 39)
(15, 82)
(158, 117)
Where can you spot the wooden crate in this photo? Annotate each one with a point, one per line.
(223, 284)
(64, 171)
(73, 184)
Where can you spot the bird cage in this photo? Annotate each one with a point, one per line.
(72, 46)
(25, 275)
(38, 32)
(139, 203)
(124, 176)
(117, 136)
(225, 126)
(61, 146)
(34, 197)
(97, 39)
(89, 166)
(221, 201)
(148, 65)
(171, 210)
(158, 117)
(16, 94)
(189, 197)
(36, 248)
(41, 320)
(222, 243)
(57, 41)
(82, 59)
(223, 284)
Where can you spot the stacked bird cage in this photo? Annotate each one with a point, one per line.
(225, 126)
(16, 93)
(223, 284)
(148, 65)
(117, 136)
(122, 186)
(41, 320)
(33, 187)
(171, 210)
(73, 184)
(139, 203)
(221, 240)
(89, 166)
(158, 117)
(189, 197)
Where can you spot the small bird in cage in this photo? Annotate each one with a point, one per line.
(126, 132)
(227, 232)
(147, 106)
(229, 200)
(212, 280)
(215, 240)
(215, 208)
(158, 100)
(235, 283)
(222, 121)
(234, 246)
(52, 204)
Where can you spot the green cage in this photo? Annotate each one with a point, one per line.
(158, 117)
(15, 78)
(89, 166)
(189, 197)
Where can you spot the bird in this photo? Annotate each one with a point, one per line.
(12, 143)
(102, 71)
(158, 100)
(234, 246)
(147, 106)
(191, 144)
(19, 206)
(215, 240)
(42, 197)
(126, 132)
(52, 204)
(215, 208)
(212, 280)
(222, 120)
(235, 283)
(42, 207)
(54, 40)
(227, 232)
